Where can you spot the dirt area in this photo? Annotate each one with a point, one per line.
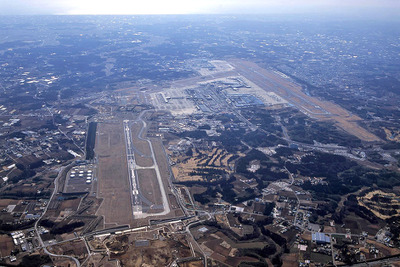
(143, 161)
(62, 262)
(74, 248)
(5, 202)
(384, 250)
(392, 134)
(311, 106)
(290, 260)
(191, 264)
(357, 225)
(113, 185)
(221, 247)
(141, 146)
(162, 162)
(149, 186)
(6, 245)
(98, 260)
(154, 253)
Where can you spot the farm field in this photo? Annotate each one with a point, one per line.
(6, 245)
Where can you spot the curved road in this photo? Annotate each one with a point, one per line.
(44, 212)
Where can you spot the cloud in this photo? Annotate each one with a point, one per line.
(184, 6)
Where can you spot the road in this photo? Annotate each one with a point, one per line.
(44, 212)
(378, 262)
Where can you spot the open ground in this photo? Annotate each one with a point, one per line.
(113, 184)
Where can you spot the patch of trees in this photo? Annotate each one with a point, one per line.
(269, 207)
(201, 197)
(321, 165)
(34, 260)
(261, 263)
(352, 206)
(376, 157)
(49, 125)
(25, 195)
(198, 134)
(208, 173)
(225, 188)
(91, 140)
(243, 163)
(264, 252)
(323, 132)
(260, 139)
(204, 127)
(394, 224)
(25, 174)
(221, 186)
(17, 135)
(47, 223)
(189, 152)
(278, 239)
(225, 118)
(67, 228)
(268, 175)
(9, 227)
(284, 151)
(383, 85)
(232, 235)
(58, 119)
(231, 140)
(391, 145)
(263, 118)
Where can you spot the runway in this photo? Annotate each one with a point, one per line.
(133, 183)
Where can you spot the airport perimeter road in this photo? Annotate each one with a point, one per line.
(159, 178)
(132, 167)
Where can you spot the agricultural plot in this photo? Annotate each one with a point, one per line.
(6, 245)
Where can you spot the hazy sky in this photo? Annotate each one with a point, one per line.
(20, 7)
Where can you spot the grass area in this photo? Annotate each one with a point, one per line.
(322, 258)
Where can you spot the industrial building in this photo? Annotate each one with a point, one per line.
(320, 238)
